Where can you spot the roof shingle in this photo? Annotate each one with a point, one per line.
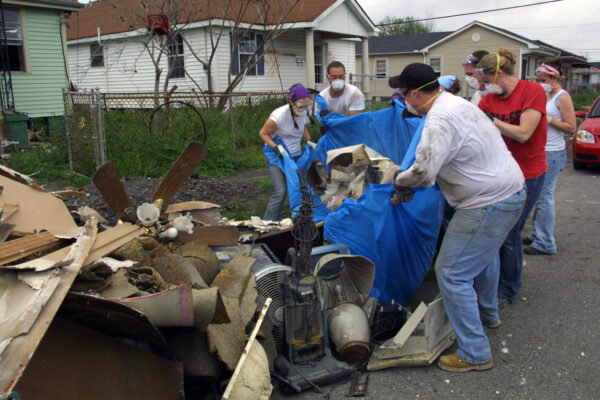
(116, 16)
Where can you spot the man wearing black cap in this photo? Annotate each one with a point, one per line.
(464, 152)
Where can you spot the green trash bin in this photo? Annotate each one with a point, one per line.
(16, 129)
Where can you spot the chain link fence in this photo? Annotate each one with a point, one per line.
(99, 125)
(103, 126)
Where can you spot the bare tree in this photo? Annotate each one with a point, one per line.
(237, 18)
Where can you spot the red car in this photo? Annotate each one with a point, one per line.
(586, 140)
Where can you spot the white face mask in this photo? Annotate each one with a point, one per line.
(492, 88)
(547, 87)
(337, 85)
(472, 82)
(301, 113)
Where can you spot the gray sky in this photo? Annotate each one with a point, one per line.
(573, 25)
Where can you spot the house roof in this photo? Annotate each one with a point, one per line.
(69, 5)
(415, 42)
(117, 16)
(406, 43)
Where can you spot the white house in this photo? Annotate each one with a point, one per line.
(105, 50)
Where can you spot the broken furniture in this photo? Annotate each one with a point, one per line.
(421, 340)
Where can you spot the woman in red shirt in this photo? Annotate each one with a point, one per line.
(517, 108)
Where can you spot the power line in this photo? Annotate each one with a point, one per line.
(469, 13)
(559, 26)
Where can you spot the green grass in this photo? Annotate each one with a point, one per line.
(48, 161)
(583, 100)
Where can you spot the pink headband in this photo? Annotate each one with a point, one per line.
(548, 69)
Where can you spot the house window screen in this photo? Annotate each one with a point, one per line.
(436, 64)
(381, 68)
(14, 39)
(319, 67)
(97, 55)
(176, 58)
(247, 51)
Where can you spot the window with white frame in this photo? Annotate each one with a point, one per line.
(436, 64)
(97, 55)
(319, 67)
(380, 68)
(176, 59)
(249, 51)
(15, 40)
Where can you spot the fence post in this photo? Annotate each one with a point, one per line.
(98, 128)
(231, 125)
(68, 116)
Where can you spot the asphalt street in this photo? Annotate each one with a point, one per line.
(548, 346)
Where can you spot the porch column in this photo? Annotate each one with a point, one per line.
(365, 65)
(310, 59)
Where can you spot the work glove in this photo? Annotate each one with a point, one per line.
(312, 144)
(490, 116)
(402, 194)
(280, 151)
(323, 129)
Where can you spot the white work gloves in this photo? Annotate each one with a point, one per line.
(312, 144)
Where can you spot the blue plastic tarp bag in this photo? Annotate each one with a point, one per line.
(400, 239)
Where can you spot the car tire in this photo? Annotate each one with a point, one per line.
(578, 165)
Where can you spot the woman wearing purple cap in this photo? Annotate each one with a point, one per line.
(282, 134)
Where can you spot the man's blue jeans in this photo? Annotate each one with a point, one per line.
(542, 235)
(467, 269)
(275, 205)
(511, 252)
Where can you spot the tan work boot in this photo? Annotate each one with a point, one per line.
(453, 363)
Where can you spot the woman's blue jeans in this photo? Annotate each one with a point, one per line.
(511, 252)
(275, 205)
(542, 235)
(467, 269)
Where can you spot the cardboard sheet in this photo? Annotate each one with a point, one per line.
(37, 210)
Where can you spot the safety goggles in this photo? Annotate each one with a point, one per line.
(301, 107)
(482, 71)
(470, 60)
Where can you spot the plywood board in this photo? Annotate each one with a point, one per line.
(22, 247)
(37, 210)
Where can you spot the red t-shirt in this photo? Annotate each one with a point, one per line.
(531, 155)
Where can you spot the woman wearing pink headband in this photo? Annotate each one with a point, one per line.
(561, 119)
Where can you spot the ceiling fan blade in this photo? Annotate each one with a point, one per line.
(179, 172)
(110, 187)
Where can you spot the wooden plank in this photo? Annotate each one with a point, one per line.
(212, 235)
(179, 172)
(22, 247)
(410, 325)
(251, 339)
(189, 206)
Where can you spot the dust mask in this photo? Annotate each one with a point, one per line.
(547, 87)
(492, 88)
(472, 82)
(337, 85)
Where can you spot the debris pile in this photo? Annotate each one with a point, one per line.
(171, 291)
(351, 169)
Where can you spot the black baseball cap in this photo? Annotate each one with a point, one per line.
(414, 76)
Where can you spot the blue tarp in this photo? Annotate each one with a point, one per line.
(400, 239)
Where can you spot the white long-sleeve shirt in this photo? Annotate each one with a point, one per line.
(462, 149)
